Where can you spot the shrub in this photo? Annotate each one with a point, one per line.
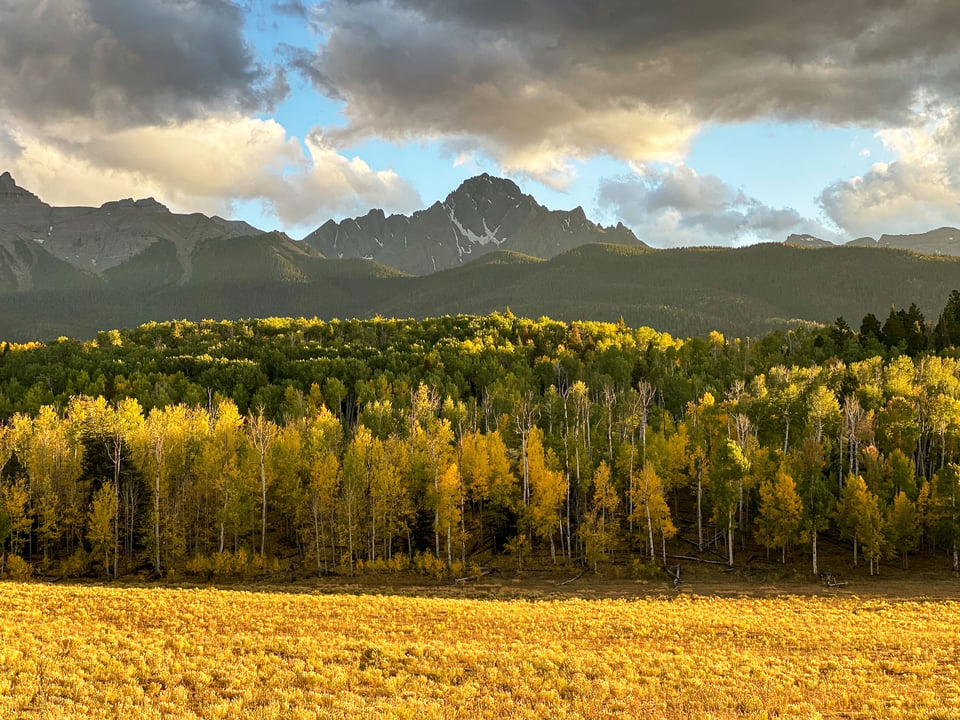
(18, 568)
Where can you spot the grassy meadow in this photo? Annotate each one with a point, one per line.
(92, 652)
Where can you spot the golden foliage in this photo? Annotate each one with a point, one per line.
(84, 652)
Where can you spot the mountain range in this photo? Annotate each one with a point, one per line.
(483, 215)
(74, 271)
(942, 241)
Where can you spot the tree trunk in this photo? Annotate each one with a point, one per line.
(700, 510)
(449, 548)
(730, 538)
(350, 532)
(263, 504)
(814, 538)
(156, 511)
(316, 535)
(650, 531)
(117, 447)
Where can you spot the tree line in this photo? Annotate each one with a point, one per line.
(390, 443)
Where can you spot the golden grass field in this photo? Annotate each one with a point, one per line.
(93, 652)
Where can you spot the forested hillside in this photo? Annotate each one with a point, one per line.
(739, 292)
(311, 446)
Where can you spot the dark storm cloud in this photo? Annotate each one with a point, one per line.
(122, 62)
(304, 61)
(569, 74)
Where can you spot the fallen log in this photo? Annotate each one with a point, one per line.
(696, 559)
(570, 580)
(475, 576)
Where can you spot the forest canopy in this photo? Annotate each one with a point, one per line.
(304, 446)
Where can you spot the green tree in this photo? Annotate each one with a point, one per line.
(859, 518)
(730, 466)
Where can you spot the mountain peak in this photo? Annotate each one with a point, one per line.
(485, 185)
(807, 240)
(483, 215)
(142, 204)
(11, 192)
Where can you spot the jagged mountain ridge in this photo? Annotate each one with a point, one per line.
(197, 267)
(483, 215)
(97, 240)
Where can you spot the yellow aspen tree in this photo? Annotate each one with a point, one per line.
(780, 518)
(903, 527)
(600, 525)
(53, 459)
(112, 426)
(16, 504)
(355, 481)
(547, 490)
(448, 506)
(219, 471)
(151, 446)
(165, 450)
(100, 523)
(651, 510)
(323, 437)
(261, 432)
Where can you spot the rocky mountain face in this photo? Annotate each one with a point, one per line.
(97, 240)
(942, 241)
(483, 215)
(806, 240)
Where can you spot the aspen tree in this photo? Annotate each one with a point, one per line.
(781, 514)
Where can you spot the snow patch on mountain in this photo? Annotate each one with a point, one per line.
(489, 236)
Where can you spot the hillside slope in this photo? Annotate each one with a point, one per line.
(745, 291)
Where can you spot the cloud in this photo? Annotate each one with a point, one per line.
(204, 165)
(102, 99)
(920, 188)
(331, 184)
(673, 206)
(403, 75)
(294, 8)
(127, 63)
(535, 84)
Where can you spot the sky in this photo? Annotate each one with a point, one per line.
(691, 121)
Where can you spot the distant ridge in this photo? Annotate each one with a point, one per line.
(942, 241)
(95, 240)
(809, 241)
(74, 271)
